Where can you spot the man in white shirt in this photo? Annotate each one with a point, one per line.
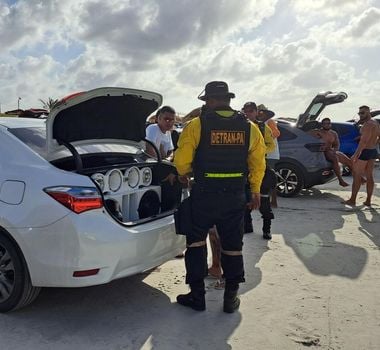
(160, 134)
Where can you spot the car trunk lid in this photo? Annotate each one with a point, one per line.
(107, 113)
(318, 104)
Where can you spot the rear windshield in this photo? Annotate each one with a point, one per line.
(34, 137)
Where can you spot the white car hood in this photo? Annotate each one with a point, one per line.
(107, 113)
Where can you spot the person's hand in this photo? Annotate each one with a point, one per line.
(255, 202)
(184, 180)
(171, 178)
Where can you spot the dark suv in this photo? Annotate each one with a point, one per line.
(302, 162)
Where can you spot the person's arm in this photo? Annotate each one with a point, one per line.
(187, 144)
(336, 144)
(256, 159)
(151, 136)
(273, 126)
(268, 139)
(256, 165)
(365, 135)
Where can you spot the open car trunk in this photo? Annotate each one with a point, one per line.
(133, 186)
(104, 120)
(307, 120)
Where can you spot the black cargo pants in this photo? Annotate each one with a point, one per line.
(225, 209)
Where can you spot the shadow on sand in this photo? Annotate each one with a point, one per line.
(125, 314)
(313, 236)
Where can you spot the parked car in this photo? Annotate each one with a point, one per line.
(302, 162)
(348, 136)
(81, 203)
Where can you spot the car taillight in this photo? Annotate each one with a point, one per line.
(78, 199)
(315, 147)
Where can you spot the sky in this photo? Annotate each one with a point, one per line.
(277, 52)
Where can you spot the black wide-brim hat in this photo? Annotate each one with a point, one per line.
(216, 89)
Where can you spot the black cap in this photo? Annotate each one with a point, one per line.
(250, 105)
(216, 89)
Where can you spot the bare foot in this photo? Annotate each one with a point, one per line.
(367, 203)
(215, 272)
(349, 202)
(343, 183)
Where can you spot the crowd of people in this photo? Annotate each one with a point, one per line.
(226, 158)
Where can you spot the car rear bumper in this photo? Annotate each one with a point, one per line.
(318, 177)
(93, 240)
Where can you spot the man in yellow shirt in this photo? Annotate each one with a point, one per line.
(220, 148)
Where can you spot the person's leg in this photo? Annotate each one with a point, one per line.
(346, 161)
(370, 181)
(215, 270)
(273, 202)
(230, 229)
(248, 226)
(358, 170)
(267, 215)
(271, 163)
(196, 250)
(332, 157)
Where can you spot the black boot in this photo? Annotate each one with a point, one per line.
(195, 299)
(248, 227)
(266, 228)
(231, 300)
(267, 235)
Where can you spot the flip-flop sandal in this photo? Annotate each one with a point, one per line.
(219, 284)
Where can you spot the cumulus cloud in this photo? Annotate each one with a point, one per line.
(175, 48)
(143, 31)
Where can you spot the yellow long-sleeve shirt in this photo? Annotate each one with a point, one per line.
(189, 141)
(269, 140)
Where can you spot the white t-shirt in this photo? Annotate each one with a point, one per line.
(275, 154)
(155, 135)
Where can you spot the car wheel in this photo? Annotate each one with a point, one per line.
(16, 289)
(289, 180)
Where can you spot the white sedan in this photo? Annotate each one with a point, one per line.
(81, 203)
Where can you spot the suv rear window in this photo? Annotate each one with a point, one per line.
(285, 134)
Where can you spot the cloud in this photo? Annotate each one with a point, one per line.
(57, 47)
(363, 30)
(143, 31)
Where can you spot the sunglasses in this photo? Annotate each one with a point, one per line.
(361, 113)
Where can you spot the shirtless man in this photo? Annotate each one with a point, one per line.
(331, 139)
(363, 160)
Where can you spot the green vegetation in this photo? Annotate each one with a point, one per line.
(49, 104)
(8, 115)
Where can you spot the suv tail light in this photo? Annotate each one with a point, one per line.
(316, 147)
(78, 199)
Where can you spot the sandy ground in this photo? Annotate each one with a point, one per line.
(315, 285)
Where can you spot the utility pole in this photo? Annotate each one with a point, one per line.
(18, 103)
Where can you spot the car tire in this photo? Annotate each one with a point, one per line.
(16, 290)
(290, 179)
